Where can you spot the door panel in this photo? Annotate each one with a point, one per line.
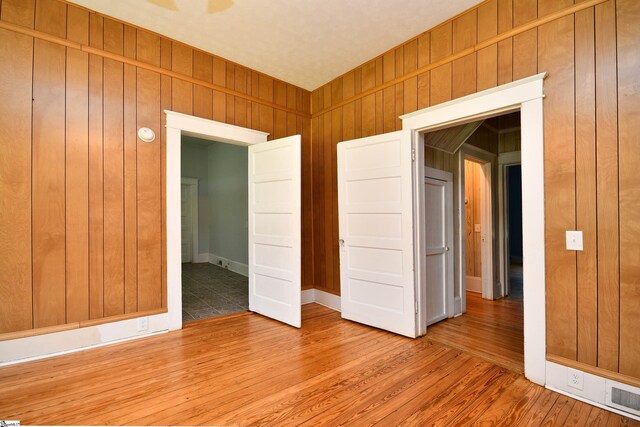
(275, 230)
(436, 248)
(376, 230)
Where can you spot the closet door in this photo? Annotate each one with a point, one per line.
(275, 229)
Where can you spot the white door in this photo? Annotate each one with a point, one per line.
(438, 200)
(375, 203)
(275, 229)
(186, 223)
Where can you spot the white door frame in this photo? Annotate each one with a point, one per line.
(177, 125)
(195, 238)
(449, 233)
(525, 95)
(504, 161)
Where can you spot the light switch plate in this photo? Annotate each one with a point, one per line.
(574, 241)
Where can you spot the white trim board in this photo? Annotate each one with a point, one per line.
(321, 297)
(179, 124)
(525, 95)
(594, 388)
(235, 266)
(57, 343)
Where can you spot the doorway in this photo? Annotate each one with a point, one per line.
(483, 321)
(274, 216)
(214, 229)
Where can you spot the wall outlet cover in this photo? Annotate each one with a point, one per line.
(575, 379)
(574, 241)
(143, 324)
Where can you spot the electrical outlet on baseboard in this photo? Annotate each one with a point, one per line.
(575, 378)
(143, 324)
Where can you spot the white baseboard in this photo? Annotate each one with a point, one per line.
(200, 258)
(474, 284)
(594, 388)
(41, 346)
(321, 297)
(235, 266)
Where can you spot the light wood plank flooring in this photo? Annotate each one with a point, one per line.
(250, 370)
(493, 330)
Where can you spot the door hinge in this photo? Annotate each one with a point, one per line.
(413, 154)
(416, 306)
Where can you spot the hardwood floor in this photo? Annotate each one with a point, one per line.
(493, 330)
(250, 370)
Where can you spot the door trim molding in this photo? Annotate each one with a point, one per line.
(525, 95)
(179, 124)
(195, 238)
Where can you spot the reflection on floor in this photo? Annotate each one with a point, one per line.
(212, 291)
(515, 282)
(492, 330)
(249, 370)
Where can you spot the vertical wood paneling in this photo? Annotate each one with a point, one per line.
(280, 117)
(77, 169)
(607, 188)
(628, 50)
(488, 57)
(113, 152)
(96, 231)
(587, 274)
(464, 69)
(441, 46)
(182, 92)
(410, 89)
(202, 96)
(130, 175)
(16, 64)
(389, 94)
(149, 172)
(524, 63)
(240, 106)
(165, 104)
(230, 82)
(48, 173)
(219, 99)
(505, 47)
(424, 79)
(19, 12)
(266, 112)
(555, 55)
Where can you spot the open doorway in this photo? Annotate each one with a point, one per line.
(214, 219)
(485, 315)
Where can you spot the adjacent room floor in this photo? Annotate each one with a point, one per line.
(246, 369)
(493, 330)
(211, 291)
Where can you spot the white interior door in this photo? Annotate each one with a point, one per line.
(275, 229)
(186, 223)
(375, 203)
(438, 200)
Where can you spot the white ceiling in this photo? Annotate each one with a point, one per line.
(304, 42)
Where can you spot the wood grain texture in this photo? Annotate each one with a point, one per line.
(441, 46)
(263, 373)
(48, 166)
(113, 174)
(181, 91)
(464, 37)
(77, 170)
(586, 180)
(556, 50)
(96, 182)
(628, 57)
(16, 64)
(607, 187)
(130, 177)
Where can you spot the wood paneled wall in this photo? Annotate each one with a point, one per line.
(82, 206)
(590, 50)
(473, 180)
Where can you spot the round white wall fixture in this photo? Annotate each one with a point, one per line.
(146, 134)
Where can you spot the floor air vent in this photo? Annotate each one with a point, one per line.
(623, 397)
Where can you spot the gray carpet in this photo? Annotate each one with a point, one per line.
(211, 291)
